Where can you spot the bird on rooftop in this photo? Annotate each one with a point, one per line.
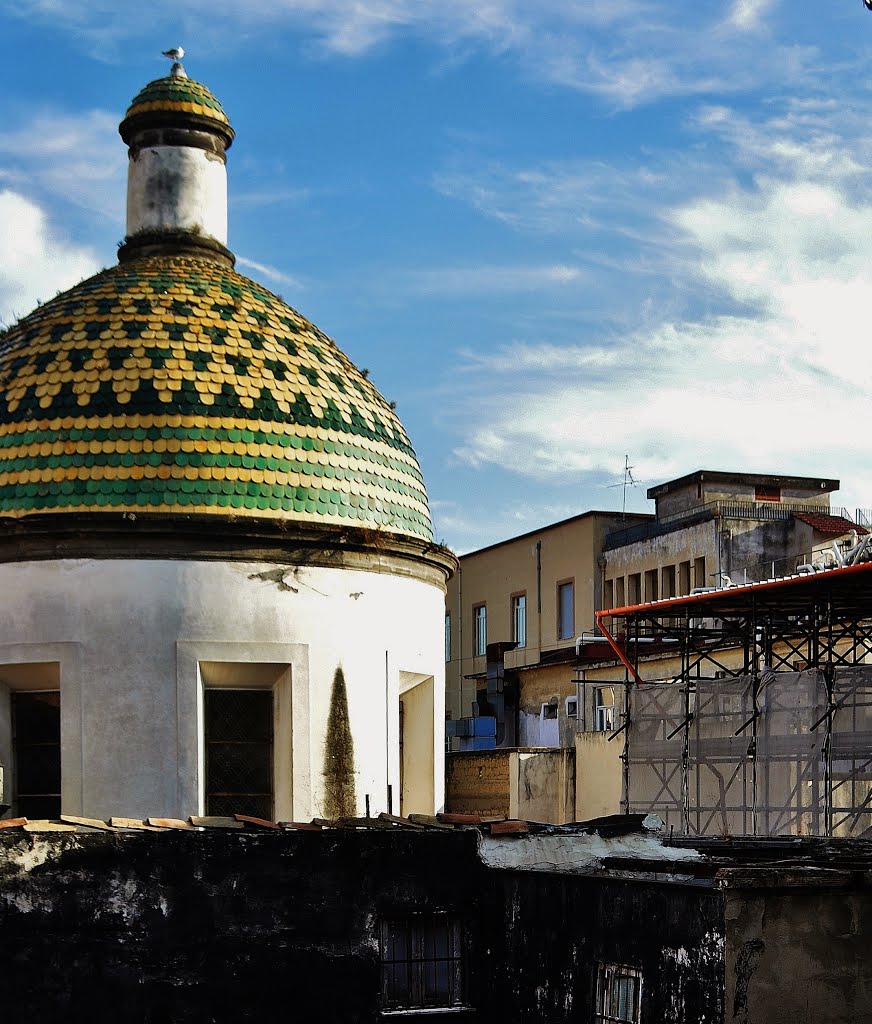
(175, 54)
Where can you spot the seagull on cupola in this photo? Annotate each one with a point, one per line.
(175, 54)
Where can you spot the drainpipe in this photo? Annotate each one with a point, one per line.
(539, 595)
(460, 635)
(615, 646)
(716, 524)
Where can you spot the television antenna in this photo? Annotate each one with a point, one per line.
(629, 480)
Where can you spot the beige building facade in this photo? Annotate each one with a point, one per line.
(528, 600)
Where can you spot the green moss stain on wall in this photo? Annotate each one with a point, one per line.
(339, 796)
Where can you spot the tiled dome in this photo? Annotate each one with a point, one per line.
(172, 384)
(177, 94)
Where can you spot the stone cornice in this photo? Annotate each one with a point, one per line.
(45, 537)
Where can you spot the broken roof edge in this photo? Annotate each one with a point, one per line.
(585, 853)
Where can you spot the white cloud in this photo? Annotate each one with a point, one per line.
(630, 52)
(271, 273)
(76, 157)
(747, 15)
(499, 520)
(775, 376)
(477, 280)
(34, 262)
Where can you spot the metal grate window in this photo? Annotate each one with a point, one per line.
(618, 995)
(421, 962)
(36, 723)
(239, 754)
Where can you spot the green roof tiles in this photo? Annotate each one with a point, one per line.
(177, 94)
(169, 383)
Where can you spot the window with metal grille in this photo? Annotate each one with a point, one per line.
(421, 962)
(36, 724)
(618, 995)
(239, 752)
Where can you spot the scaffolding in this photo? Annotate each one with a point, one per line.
(748, 710)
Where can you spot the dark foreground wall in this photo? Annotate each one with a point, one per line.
(800, 953)
(553, 931)
(230, 926)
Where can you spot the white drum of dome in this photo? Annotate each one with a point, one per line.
(177, 188)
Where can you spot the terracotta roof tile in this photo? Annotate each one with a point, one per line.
(823, 522)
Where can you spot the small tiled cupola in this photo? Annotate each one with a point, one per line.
(177, 134)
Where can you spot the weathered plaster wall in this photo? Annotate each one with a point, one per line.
(198, 927)
(553, 929)
(542, 785)
(738, 489)
(131, 637)
(599, 775)
(691, 542)
(545, 685)
(177, 187)
(194, 927)
(799, 955)
(746, 549)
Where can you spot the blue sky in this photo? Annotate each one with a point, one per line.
(557, 233)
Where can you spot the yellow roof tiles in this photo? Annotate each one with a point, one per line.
(218, 389)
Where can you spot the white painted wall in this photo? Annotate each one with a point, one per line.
(130, 637)
(177, 187)
(419, 733)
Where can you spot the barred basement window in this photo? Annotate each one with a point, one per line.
(618, 995)
(421, 962)
(239, 755)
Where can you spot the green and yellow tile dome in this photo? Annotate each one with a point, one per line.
(172, 384)
(178, 95)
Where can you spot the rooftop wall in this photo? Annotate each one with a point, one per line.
(221, 926)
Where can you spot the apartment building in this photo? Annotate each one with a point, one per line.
(526, 677)
(520, 605)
